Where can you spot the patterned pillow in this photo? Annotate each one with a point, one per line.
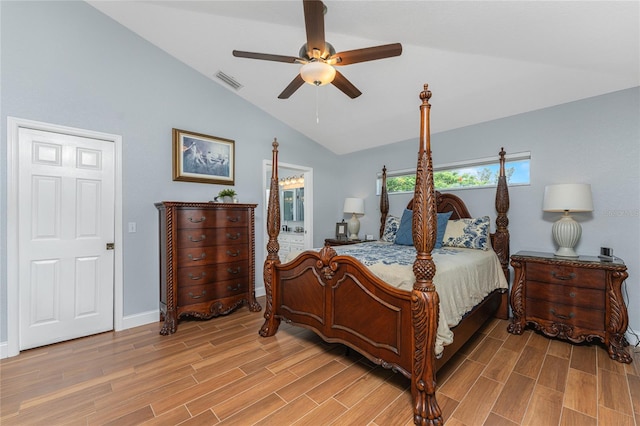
(391, 226)
(468, 233)
(405, 232)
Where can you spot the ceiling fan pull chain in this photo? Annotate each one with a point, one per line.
(317, 107)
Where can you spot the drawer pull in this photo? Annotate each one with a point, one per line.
(232, 254)
(233, 237)
(192, 220)
(564, 317)
(563, 277)
(202, 237)
(234, 288)
(197, 277)
(572, 294)
(233, 271)
(198, 296)
(195, 259)
(233, 219)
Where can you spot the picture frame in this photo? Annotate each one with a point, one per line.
(341, 231)
(203, 158)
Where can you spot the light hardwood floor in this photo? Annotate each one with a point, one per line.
(221, 372)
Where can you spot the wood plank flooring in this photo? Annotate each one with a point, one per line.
(221, 372)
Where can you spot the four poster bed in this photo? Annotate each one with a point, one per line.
(344, 301)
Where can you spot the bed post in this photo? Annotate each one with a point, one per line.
(384, 201)
(272, 323)
(424, 298)
(501, 237)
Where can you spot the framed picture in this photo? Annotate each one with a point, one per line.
(341, 231)
(203, 158)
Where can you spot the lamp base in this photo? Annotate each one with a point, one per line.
(353, 226)
(566, 233)
(566, 252)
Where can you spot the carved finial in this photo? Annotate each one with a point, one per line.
(502, 153)
(425, 95)
(275, 143)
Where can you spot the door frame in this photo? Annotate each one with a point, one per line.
(308, 197)
(13, 315)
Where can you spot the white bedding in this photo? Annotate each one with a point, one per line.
(463, 276)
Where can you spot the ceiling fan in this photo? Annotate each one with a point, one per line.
(319, 57)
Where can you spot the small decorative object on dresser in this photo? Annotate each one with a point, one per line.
(207, 260)
(574, 299)
(341, 231)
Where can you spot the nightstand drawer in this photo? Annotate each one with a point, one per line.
(590, 319)
(569, 275)
(565, 294)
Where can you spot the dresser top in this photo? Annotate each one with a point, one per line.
(202, 204)
(582, 260)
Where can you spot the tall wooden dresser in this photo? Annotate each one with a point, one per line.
(207, 260)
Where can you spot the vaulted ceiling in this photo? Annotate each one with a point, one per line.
(483, 60)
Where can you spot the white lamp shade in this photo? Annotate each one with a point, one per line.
(317, 73)
(353, 205)
(573, 197)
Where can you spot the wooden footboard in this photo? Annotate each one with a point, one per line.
(339, 299)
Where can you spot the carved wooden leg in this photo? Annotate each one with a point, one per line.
(170, 321)
(254, 306)
(517, 300)
(618, 319)
(425, 307)
(271, 323)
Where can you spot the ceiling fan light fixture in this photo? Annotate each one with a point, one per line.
(317, 73)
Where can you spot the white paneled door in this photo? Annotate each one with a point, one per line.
(66, 191)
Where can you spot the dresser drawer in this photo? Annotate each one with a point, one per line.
(190, 295)
(212, 236)
(569, 275)
(201, 218)
(591, 319)
(566, 294)
(209, 255)
(195, 275)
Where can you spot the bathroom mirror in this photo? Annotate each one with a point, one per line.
(292, 204)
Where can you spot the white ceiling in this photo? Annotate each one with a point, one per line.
(483, 60)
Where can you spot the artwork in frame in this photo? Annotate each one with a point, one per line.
(341, 231)
(203, 158)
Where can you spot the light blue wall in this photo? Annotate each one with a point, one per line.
(596, 141)
(67, 63)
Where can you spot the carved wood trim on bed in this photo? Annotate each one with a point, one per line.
(342, 301)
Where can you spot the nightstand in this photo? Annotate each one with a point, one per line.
(334, 242)
(576, 299)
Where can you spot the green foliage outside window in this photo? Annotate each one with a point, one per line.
(450, 179)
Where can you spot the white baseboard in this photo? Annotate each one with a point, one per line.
(142, 318)
(4, 350)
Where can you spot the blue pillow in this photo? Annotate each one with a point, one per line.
(443, 220)
(404, 236)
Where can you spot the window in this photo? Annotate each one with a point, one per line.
(478, 173)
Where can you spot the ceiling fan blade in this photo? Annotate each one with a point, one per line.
(367, 54)
(314, 25)
(291, 88)
(341, 82)
(267, 57)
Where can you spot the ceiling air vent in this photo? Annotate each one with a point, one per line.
(229, 80)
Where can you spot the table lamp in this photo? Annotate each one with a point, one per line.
(569, 197)
(354, 206)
